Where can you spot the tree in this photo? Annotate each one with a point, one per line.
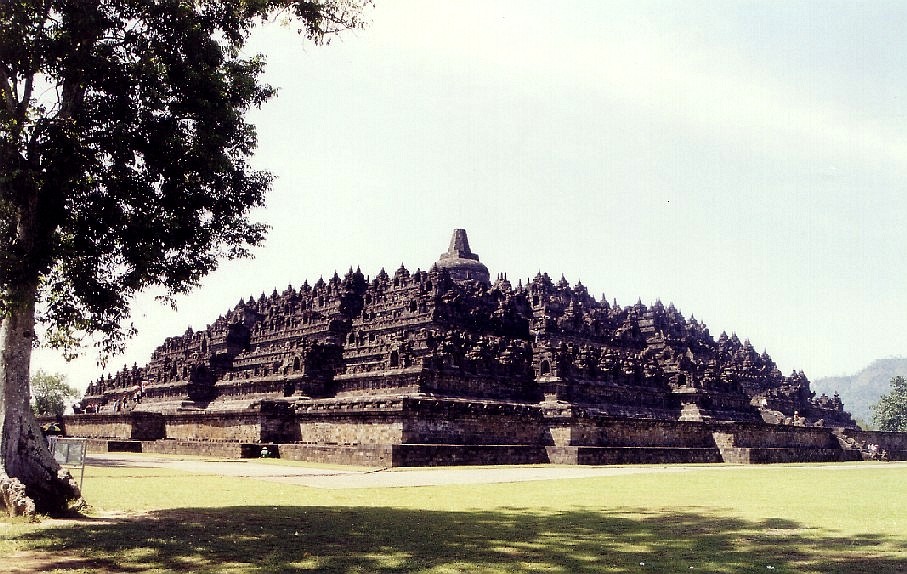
(51, 393)
(123, 165)
(890, 413)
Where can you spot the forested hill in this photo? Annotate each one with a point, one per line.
(863, 389)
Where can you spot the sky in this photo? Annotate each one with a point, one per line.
(745, 161)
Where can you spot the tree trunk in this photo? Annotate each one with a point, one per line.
(30, 479)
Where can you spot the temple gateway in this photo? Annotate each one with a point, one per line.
(446, 366)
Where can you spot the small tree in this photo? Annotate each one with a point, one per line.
(890, 413)
(50, 394)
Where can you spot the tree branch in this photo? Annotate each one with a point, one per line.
(6, 90)
(25, 102)
(26, 95)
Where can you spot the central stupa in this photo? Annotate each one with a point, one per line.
(460, 262)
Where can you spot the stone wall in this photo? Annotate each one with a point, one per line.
(471, 454)
(410, 420)
(598, 431)
(414, 455)
(202, 448)
(372, 455)
(379, 384)
(204, 426)
(351, 432)
(98, 426)
(454, 383)
(624, 400)
(436, 421)
(759, 444)
(131, 426)
(777, 436)
(418, 431)
(894, 443)
(353, 422)
(632, 455)
(791, 454)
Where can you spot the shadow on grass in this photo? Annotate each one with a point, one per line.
(91, 461)
(365, 539)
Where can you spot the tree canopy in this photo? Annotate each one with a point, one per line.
(51, 394)
(890, 413)
(124, 147)
(124, 164)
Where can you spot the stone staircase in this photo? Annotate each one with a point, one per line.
(775, 450)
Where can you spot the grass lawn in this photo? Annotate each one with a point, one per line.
(780, 518)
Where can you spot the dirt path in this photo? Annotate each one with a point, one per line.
(339, 478)
(32, 561)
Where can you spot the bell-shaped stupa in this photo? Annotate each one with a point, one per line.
(461, 263)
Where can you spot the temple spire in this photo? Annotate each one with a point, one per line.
(461, 262)
(459, 247)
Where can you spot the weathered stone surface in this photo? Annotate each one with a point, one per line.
(13, 498)
(355, 368)
(894, 444)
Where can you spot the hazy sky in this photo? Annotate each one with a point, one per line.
(743, 160)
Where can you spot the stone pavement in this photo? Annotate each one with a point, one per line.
(344, 478)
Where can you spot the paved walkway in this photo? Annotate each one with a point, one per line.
(339, 478)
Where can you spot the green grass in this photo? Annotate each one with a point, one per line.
(783, 518)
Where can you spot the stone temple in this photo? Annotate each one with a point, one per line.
(446, 366)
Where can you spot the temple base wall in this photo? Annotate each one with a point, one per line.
(234, 427)
(747, 443)
(367, 455)
(428, 431)
(439, 421)
(598, 455)
(128, 426)
(468, 454)
(787, 454)
(745, 435)
(607, 432)
(894, 443)
(369, 421)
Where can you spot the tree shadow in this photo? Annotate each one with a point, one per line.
(92, 461)
(383, 539)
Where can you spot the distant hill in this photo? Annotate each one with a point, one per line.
(864, 388)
